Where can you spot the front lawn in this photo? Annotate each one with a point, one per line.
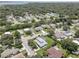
(50, 41)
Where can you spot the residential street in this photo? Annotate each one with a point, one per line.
(25, 45)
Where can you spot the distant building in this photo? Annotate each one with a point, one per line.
(63, 34)
(26, 29)
(20, 55)
(68, 33)
(44, 26)
(20, 19)
(38, 28)
(75, 41)
(76, 52)
(53, 25)
(10, 18)
(8, 33)
(40, 41)
(75, 21)
(53, 53)
(59, 35)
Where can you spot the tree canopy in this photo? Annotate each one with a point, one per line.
(69, 45)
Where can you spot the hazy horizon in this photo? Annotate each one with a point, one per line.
(12, 2)
(26, 2)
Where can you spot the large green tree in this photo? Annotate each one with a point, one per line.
(6, 39)
(69, 45)
(16, 34)
(32, 44)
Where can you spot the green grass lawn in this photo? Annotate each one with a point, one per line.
(49, 40)
(59, 46)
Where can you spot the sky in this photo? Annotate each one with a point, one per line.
(45, 0)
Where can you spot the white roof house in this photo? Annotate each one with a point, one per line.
(38, 28)
(76, 52)
(75, 41)
(21, 19)
(41, 42)
(53, 25)
(44, 26)
(68, 33)
(7, 33)
(26, 29)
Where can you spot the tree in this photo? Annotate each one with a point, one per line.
(51, 32)
(1, 50)
(66, 27)
(28, 32)
(6, 39)
(77, 34)
(33, 21)
(69, 45)
(18, 44)
(45, 53)
(32, 44)
(16, 34)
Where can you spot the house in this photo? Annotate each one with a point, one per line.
(53, 53)
(26, 29)
(53, 25)
(68, 33)
(9, 52)
(10, 18)
(75, 21)
(21, 19)
(44, 26)
(75, 41)
(76, 52)
(59, 35)
(20, 55)
(44, 33)
(63, 34)
(40, 41)
(38, 28)
(8, 33)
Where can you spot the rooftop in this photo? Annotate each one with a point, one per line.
(53, 53)
(20, 55)
(41, 42)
